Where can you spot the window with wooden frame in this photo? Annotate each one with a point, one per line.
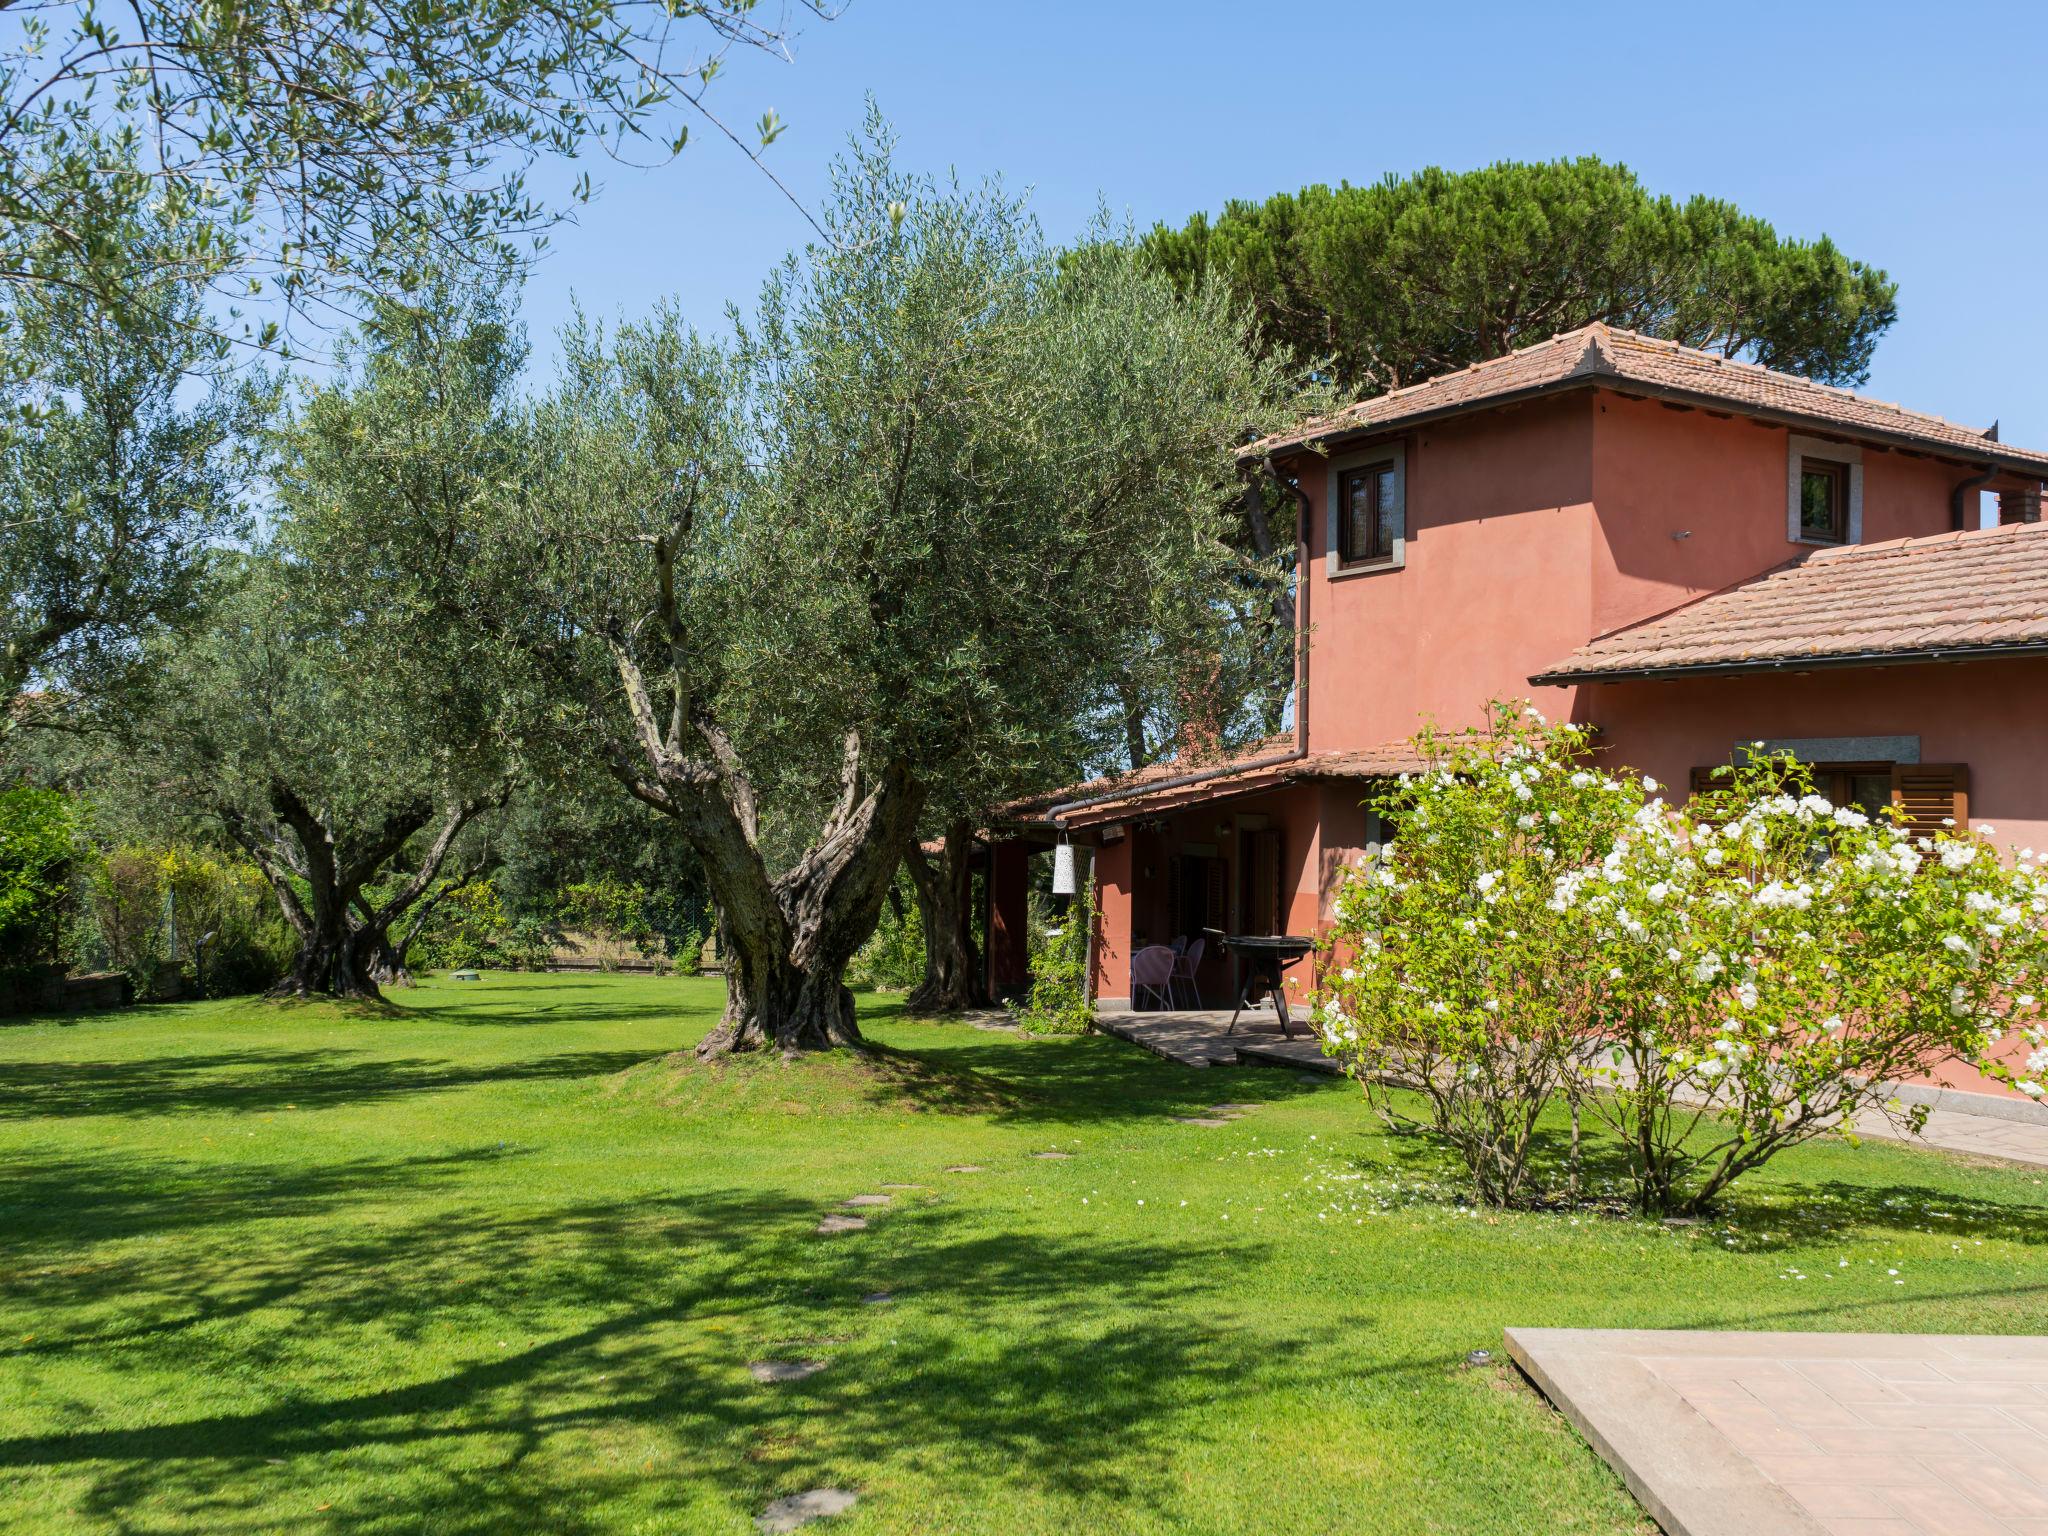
(1823, 501)
(1368, 514)
(1823, 491)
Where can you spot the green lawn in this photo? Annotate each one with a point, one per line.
(495, 1261)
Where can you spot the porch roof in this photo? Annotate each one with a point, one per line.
(1953, 596)
(1178, 782)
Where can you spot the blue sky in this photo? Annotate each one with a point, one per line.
(1916, 136)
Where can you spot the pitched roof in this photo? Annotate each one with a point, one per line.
(1161, 786)
(1631, 362)
(1983, 592)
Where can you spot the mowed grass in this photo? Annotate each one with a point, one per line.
(497, 1260)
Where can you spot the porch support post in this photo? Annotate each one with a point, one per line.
(1009, 953)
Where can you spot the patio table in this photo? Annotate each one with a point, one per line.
(1266, 956)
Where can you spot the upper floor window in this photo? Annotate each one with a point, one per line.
(1823, 501)
(1824, 492)
(1368, 511)
(1366, 508)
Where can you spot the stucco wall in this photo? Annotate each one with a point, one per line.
(1496, 582)
(1721, 482)
(1990, 715)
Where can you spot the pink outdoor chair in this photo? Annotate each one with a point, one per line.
(1152, 971)
(1184, 969)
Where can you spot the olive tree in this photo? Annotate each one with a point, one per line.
(121, 467)
(309, 154)
(863, 565)
(350, 708)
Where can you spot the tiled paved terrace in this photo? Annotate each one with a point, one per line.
(1810, 1434)
(1197, 1037)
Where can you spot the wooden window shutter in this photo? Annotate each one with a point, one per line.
(1927, 794)
(1703, 781)
(1215, 904)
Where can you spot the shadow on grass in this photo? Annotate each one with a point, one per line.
(1012, 1361)
(1065, 1080)
(1773, 1207)
(256, 1081)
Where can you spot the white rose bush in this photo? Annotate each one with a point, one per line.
(1709, 985)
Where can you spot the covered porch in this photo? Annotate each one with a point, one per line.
(1249, 846)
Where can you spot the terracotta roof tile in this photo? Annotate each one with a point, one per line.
(1151, 789)
(1982, 590)
(1614, 358)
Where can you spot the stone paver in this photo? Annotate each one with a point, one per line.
(1201, 1120)
(800, 1509)
(906, 1186)
(783, 1370)
(966, 1168)
(837, 1223)
(877, 1298)
(867, 1200)
(1201, 1038)
(1810, 1434)
(1975, 1124)
(1052, 1156)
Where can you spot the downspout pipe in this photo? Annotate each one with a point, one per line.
(1058, 813)
(1958, 508)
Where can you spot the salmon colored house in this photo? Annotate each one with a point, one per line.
(1688, 553)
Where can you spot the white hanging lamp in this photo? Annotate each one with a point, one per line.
(1063, 867)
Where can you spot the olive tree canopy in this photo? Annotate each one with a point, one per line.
(875, 560)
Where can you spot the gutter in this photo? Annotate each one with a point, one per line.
(1799, 663)
(1057, 814)
(1958, 513)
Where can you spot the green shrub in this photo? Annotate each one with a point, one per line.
(466, 928)
(181, 919)
(1059, 1003)
(892, 960)
(40, 848)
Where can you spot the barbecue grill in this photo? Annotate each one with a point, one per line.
(1265, 956)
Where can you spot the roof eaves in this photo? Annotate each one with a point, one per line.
(1565, 677)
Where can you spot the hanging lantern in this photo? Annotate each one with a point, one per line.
(1063, 868)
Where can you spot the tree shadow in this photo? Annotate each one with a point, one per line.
(252, 1081)
(1017, 1360)
(1085, 1078)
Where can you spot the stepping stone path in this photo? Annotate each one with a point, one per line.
(1200, 1120)
(877, 1298)
(838, 1223)
(867, 1200)
(967, 1168)
(1233, 1109)
(784, 1370)
(1059, 1155)
(906, 1186)
(800, 1509)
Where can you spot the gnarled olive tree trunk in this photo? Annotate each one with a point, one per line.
(343, 936)
(786, 939)
(953, 980)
